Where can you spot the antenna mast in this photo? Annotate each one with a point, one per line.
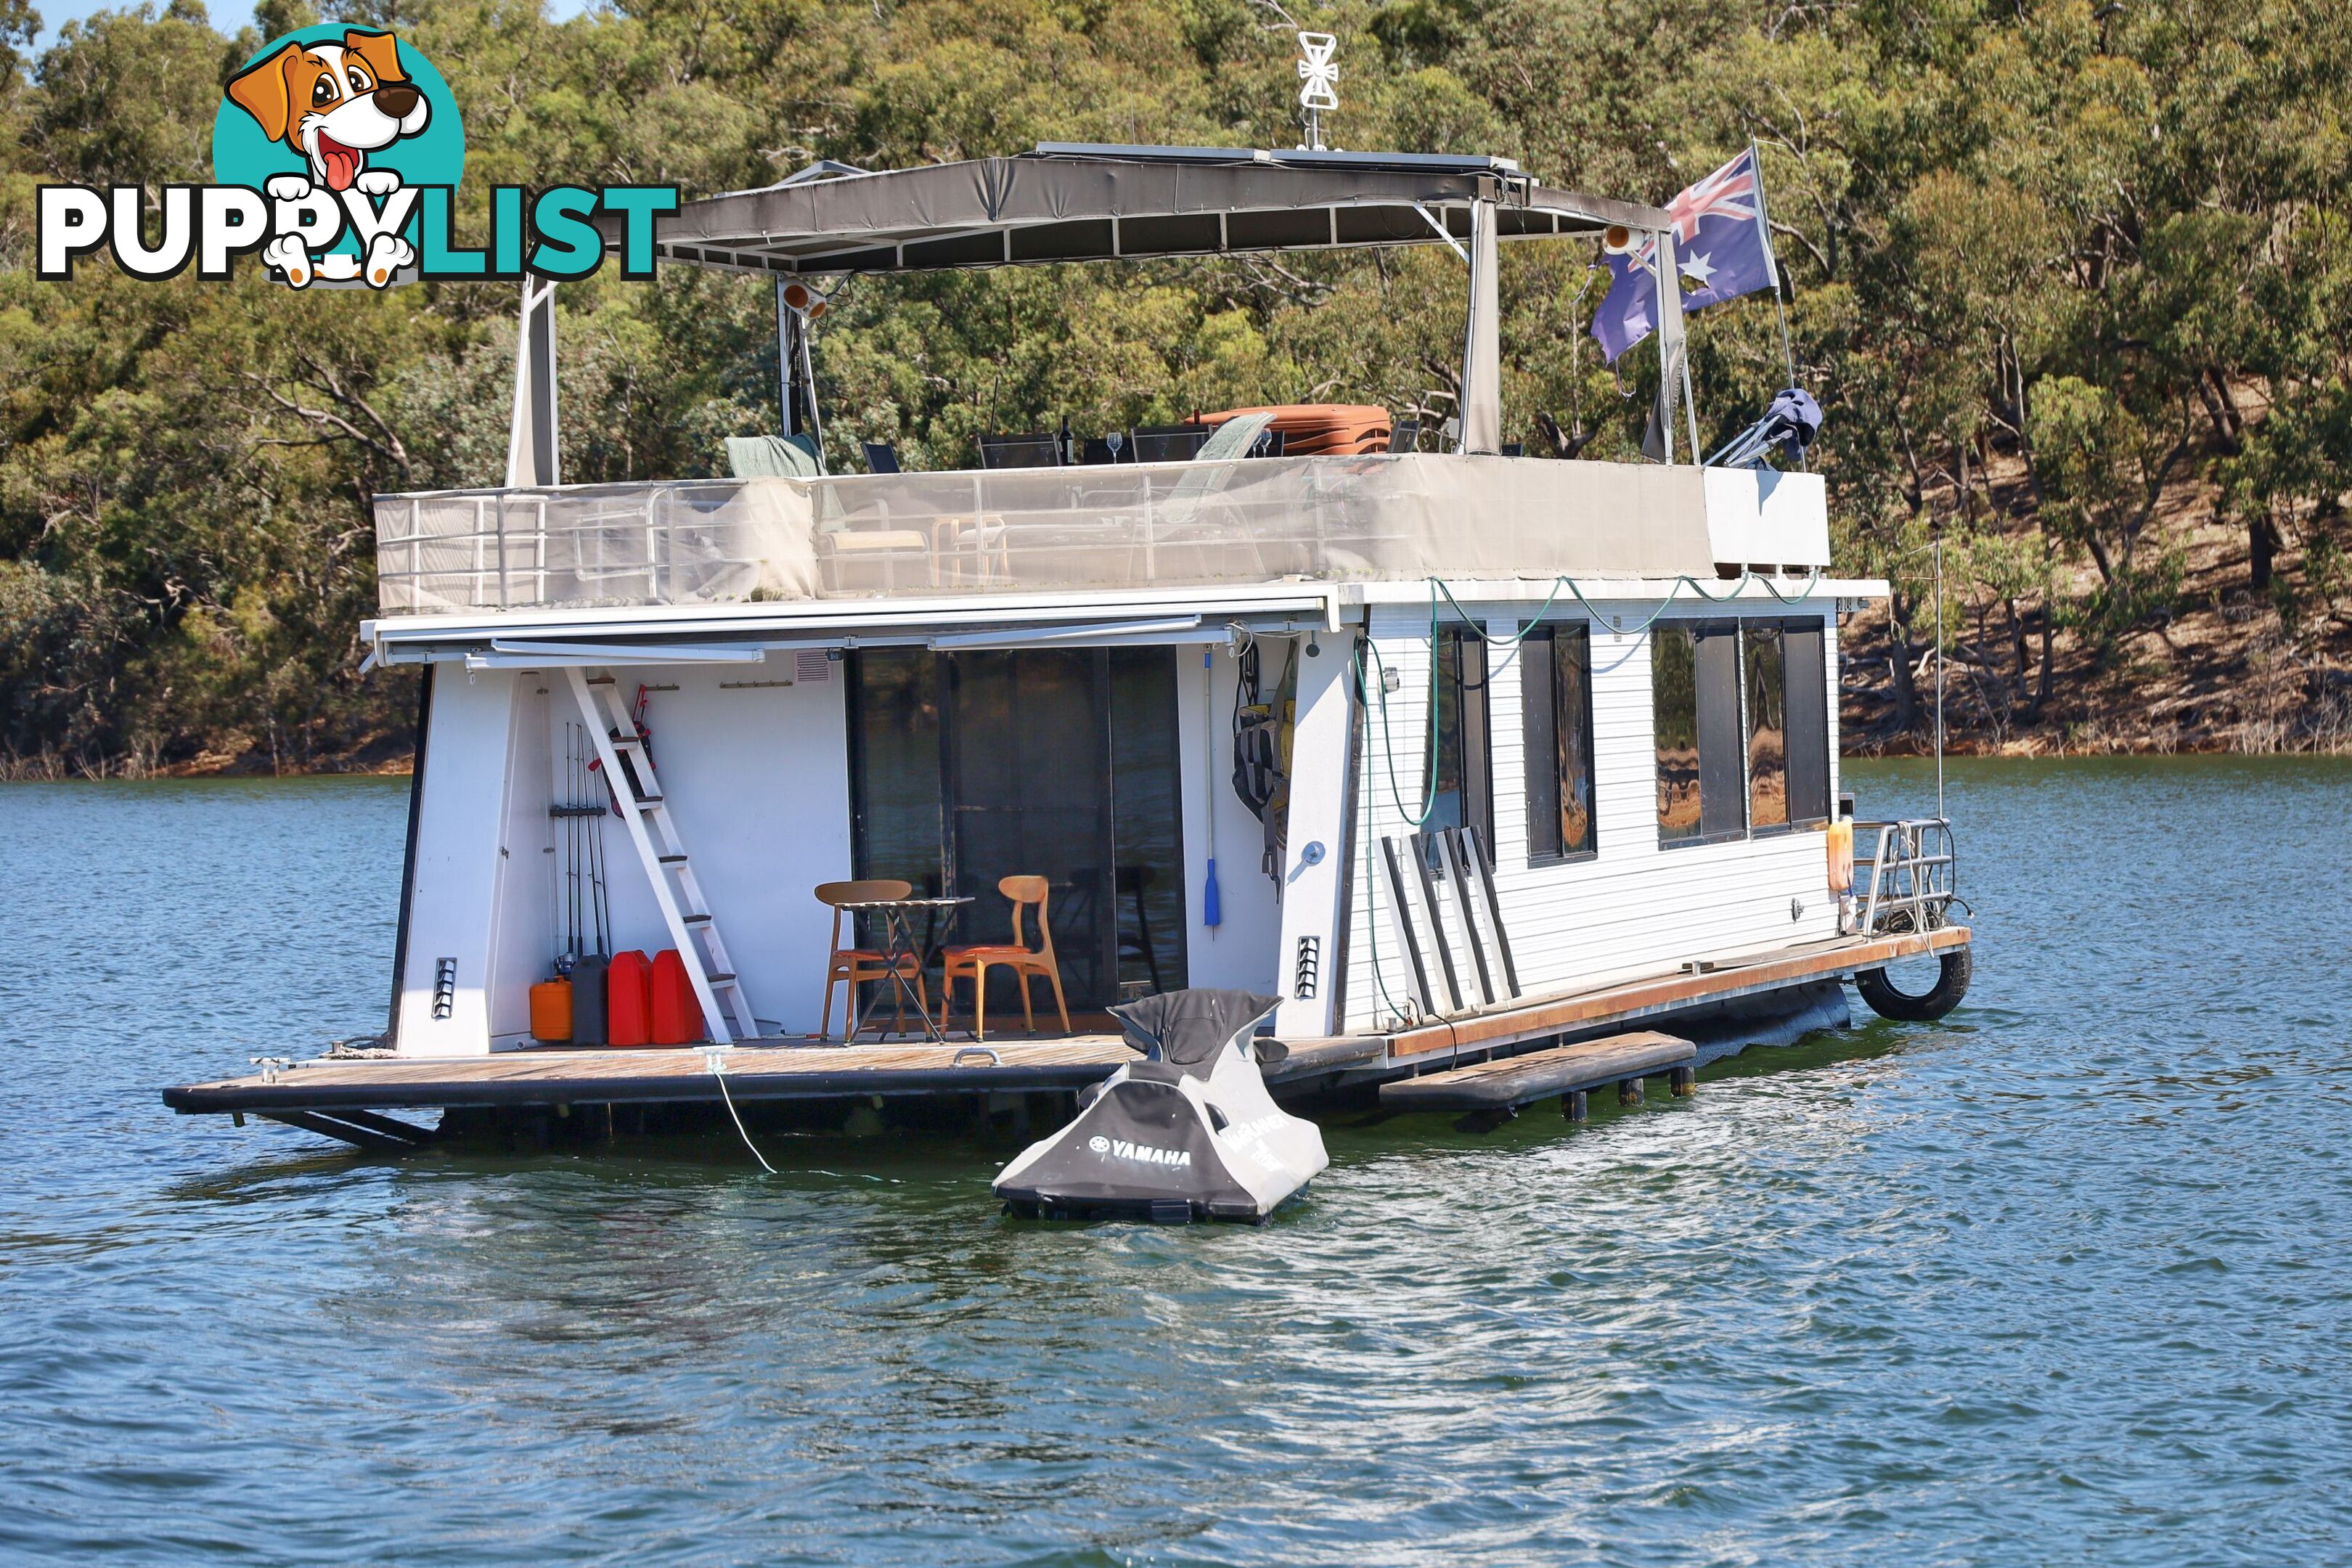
(1318, 75)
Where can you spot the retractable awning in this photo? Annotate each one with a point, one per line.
(1084, 202)
(749, 632)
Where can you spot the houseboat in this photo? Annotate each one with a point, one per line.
(804, 795)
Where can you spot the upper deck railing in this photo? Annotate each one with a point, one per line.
(1406, 516)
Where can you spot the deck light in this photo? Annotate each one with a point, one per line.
(806, 300)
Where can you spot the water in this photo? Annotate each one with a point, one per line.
(2058, 1281)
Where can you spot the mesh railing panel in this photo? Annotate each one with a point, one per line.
(1032, 530)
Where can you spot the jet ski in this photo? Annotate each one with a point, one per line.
(1187, 1132)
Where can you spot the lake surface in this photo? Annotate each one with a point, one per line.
(2061, 1280)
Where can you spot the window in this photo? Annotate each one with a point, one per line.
(1804, 655)
(1695, 693)
(1741, 714)
(1674, 723)
(1457, 771)
(1556, 693)
(1767, 726)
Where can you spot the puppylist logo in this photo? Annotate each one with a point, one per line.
(337, 151)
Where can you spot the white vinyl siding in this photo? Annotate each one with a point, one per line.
(1629, 909)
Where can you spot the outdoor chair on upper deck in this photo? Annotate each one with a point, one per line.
(881, 457)
(973, 960)
(1036, 450)
(1168, 443)
(859, 965)
(1236, 437)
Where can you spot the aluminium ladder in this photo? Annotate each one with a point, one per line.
(655, 833)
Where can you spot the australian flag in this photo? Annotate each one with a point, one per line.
(1722, 249)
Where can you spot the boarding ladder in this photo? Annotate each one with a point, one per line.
(638, 792)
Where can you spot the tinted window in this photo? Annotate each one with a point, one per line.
(1803, 648)
(1767, 726)
(1556, 694)
(894, 706)
(1458, 770)
(1145, 812)
(1695, 693)
(1673, 721)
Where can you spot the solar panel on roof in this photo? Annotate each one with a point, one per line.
(1147, 154)
(1295, 158)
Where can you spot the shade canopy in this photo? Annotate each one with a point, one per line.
(1083, 202)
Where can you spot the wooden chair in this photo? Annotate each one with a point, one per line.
(859, 965)
(973, 961)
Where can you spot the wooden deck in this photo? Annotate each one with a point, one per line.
(1721, 980)
(799, 1069)
(1507, 1082)
(632, 1077)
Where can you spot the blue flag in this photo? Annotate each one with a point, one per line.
(1722, 249)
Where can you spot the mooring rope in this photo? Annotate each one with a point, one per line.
(712, 1058)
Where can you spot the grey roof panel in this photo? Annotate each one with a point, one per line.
(1071, 201)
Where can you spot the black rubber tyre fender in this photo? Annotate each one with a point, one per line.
(1954, 969)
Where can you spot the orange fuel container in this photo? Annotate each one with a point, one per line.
(676, 1016)
(550, 1010)
(1841, 853)
(628, 997)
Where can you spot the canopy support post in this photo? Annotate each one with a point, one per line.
(532, 454)
(1481, 355)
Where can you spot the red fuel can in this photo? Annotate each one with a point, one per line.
(676, 1014)
(628, 1000)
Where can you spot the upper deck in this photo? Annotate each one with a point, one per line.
(988, 539)
(1370, 518)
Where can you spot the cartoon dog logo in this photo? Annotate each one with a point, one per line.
(333, 104)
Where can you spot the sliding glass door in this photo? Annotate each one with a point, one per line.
(1028, 795)
(967, 768)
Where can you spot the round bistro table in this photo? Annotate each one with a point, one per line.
(901, 942)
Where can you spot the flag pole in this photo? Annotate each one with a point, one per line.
(1772, 271)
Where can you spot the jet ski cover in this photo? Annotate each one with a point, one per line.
(1190, 1129)
(1188, 1027)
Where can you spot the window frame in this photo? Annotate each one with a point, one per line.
(1706, 718)
(1474, 732)
(1539, 716)
(1820, 702)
